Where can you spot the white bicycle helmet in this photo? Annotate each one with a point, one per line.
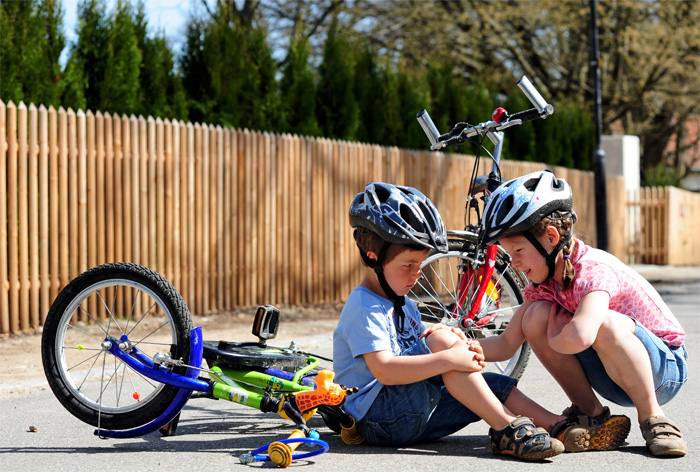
(519, 204)
(399, 215)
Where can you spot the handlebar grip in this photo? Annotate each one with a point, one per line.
(527, 115)
(534, 96)
(428, 126)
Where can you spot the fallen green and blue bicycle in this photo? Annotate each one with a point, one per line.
(120, 353)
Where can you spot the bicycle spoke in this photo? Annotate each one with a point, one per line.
(131, 312)
(68, 369)
(137, 343)
(110, 313)
(99, 325)
(142, 318)
(87, 374)
(119, 385)
(85, 332)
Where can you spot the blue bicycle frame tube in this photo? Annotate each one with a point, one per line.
(196, 355)
(145, 366)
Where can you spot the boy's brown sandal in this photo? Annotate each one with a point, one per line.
(663, 437)
(579, 432)
(522, 440)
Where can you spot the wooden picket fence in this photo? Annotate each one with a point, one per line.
(663, 224)
(232, 218)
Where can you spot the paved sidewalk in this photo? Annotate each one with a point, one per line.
(668, 274)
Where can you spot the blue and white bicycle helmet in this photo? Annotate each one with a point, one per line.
(519, 204)
(399, 215)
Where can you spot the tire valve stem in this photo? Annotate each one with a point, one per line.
(137, 396)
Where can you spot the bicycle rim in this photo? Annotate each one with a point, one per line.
(92, 375)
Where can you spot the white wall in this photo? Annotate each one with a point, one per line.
(622, 155)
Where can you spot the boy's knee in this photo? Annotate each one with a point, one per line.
(535, 318)
(441, 339)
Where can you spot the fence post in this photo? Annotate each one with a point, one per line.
(5, 325)
(23, 217)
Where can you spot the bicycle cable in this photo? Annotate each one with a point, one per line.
(475, 169)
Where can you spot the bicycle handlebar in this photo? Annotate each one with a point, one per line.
(501, 120)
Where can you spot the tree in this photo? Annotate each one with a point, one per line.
(196, 77)
(31, 73)
(548, 41)
(228, 70)
(336, 106)
(298, 93)
(368, 90)
(102, 71)
(119, 91)
(413, 95)
(85, 68)
(160, 91)
(297, 21)
(259, 95)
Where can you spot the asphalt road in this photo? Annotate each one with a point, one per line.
(213, 434)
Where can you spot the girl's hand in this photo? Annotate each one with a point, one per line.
(467, 359)
(559, 317)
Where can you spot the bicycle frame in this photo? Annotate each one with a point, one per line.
(483, 275)
(493, 130)
(298, 401)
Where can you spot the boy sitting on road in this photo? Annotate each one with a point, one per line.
(415, 389)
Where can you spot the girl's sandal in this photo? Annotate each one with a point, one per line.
(663, 437)
(579, 432)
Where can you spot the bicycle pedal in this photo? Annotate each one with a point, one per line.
(170, 428)
(266, 322)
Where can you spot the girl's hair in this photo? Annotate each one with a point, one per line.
(367, 240)
(565, 227)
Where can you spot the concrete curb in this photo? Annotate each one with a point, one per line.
(668, 274)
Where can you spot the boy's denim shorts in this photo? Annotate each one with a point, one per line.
(668, 365)
(421, 411)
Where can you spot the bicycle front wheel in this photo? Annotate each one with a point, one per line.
(436, 296)
(124, 301)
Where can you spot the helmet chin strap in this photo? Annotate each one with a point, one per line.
(378, 267)
(549, 257)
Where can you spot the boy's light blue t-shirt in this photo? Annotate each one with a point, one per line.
(367, 324)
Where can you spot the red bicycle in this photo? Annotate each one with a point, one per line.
(473, 286)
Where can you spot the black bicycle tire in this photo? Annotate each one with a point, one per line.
(510, 277)
(181, 321)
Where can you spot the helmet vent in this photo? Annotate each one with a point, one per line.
(382, 194)
(409, 217)
(531, 184)
(505, 208)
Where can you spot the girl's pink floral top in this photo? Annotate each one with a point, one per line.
(630, 293)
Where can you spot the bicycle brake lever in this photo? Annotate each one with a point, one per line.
(510, 123)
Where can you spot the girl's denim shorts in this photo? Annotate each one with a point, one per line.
(668, 365)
